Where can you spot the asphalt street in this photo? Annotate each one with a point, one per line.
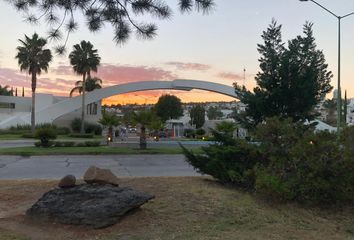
(55, 167)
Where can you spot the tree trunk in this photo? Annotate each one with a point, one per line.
(33, 107)
(142, 138)
(82, 130)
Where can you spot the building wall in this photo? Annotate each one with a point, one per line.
(22, 107)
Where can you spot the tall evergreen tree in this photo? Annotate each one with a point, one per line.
(345, 108)
(292, 80)
(197, 115)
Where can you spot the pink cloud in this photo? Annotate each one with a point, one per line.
(230, 76)
(109, 73)
(118, 74)
(189, 66)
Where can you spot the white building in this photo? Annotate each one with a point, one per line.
(17, 110)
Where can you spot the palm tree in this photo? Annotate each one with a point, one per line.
(32, 57)
(84, 59)
(4, 91)
(109, 120)
(91, 84)
(146, 119)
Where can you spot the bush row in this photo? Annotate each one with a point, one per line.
(90, 128)
(69, 144)
(289, 161)
(25, 130)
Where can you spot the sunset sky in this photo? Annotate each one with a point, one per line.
(215, 47)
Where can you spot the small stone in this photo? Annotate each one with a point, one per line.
(67, 182)
(98, 175)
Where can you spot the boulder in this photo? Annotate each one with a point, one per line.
(67, 181)
(93, 205)
(98, 175)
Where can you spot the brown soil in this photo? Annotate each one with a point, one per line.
(184, 208)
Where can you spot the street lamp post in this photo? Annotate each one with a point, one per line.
(339, 95)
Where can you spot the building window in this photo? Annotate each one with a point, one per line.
(7, 105)
(91, 109)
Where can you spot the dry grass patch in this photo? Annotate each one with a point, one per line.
(184, 208)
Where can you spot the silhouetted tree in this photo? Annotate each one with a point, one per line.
(4, 91)
(292, 80)
(197, 115)
(91, 84)
(214, 113)
(169, 107)
(34, 58)
(345, 109)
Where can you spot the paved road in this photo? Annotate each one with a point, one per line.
(55, 167)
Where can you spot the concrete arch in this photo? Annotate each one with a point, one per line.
(64, 107)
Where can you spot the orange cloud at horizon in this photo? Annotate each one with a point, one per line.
(151, 97)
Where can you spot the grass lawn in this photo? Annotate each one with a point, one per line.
(31, 151)
(189, 208)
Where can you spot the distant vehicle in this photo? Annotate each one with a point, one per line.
(132, 130)
(162, 134)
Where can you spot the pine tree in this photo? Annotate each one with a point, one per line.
(292, 80)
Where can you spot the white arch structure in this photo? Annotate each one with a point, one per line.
(49, 114)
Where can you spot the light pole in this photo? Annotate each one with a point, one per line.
(339, 94)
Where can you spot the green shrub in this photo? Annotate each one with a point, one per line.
(28, 135)
(68, 144)
(92, 143)
(189, 133)
(200, 132)
(63, 131)
(78, 135)
(289, 162)
(76, 125)
(272, 186)
(231, 162)
(45, 135)
(21, 127)
(92, 128)
(303, 165)
(80, 144)
(58, 144)
(38, 144)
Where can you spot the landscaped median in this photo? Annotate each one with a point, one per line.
(184, 208)
(37, 151)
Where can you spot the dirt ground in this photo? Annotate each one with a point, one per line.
(184, 208)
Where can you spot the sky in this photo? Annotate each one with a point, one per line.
(216, 47)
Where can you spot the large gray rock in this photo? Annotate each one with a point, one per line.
(94, 205)
(98, 175)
